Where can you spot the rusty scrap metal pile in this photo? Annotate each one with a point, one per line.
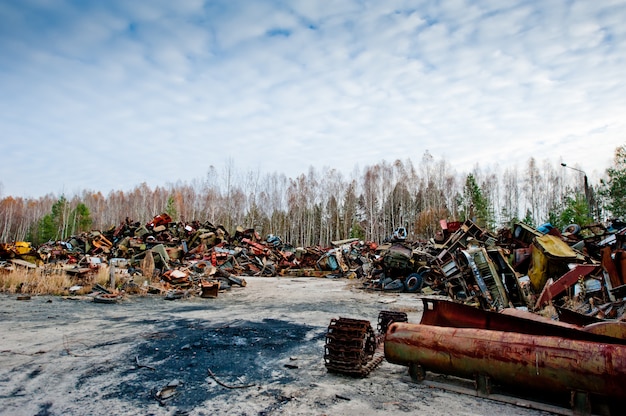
(185, 258)
(579, 272)
(531, 310)
(506, 289)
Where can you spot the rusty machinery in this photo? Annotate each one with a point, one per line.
(514, 348)
(353, 348)
(509, 347)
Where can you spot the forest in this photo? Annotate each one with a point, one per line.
(320, 206)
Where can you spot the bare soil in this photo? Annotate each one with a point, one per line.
(256, 350)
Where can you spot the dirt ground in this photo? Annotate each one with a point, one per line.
(256, 350)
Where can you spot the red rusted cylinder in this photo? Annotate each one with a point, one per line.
(508, 358)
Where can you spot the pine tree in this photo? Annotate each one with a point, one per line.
(475, 205)
(614, 189)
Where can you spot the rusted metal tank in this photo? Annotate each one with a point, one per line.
(528, 361)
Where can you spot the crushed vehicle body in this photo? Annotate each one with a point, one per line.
(477, 271)
(21, 250)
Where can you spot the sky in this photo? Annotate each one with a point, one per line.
(106, 95)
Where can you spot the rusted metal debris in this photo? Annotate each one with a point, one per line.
(544, 270)
(20, 250)
(350, 345)
(552, 289)
(445, 313)
(353, 348)
(585, 266)
(531, 308)
(209, 289)
(106, 298)
(539, 362)
(193, 257)
(386, 318)
(523, 351)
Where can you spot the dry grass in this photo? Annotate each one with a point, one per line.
(54, 281)
(48, 281)
(548, 312)
(34, 281)
(102, 277)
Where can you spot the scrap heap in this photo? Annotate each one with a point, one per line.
(185, 258)
(576, 274)
(532, 311)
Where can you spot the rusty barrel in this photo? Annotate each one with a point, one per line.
(510, 358)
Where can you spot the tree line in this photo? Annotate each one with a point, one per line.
(320, 206)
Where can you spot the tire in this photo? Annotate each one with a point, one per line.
(572, 229)
(413, 283)
(105, 298)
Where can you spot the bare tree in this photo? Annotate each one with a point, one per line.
(371, 202)
(532, 189)
(316, 207)
(510, 196)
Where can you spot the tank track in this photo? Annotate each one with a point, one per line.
(353, 348)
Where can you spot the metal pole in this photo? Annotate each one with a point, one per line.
(586, 187)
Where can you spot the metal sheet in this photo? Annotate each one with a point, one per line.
(550, 291)
(445, 313)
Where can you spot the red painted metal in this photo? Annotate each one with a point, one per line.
(257, 249)
(550, 291)
(527, 361)
(440, 312)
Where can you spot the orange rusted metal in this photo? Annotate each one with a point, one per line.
(209, 289)
(101, 242)
(527, 361)
(161, 219)
(257, 249)
(439, 312)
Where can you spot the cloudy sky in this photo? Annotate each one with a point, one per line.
(104, 95)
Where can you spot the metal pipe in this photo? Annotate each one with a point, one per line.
(508, 358)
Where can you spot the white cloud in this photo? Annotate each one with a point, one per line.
(157, 92)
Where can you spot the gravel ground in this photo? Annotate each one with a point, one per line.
(256, 350)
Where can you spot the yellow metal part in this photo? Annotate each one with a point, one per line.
(549, 259)
(23, 247)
